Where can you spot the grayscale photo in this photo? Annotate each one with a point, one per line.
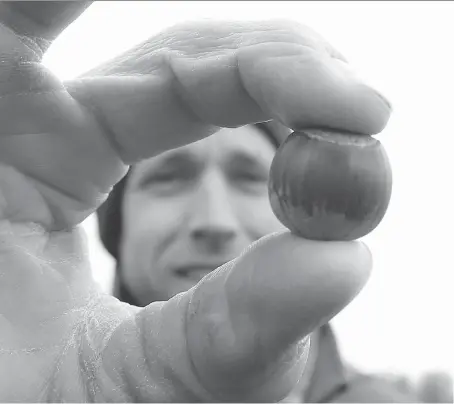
(226, 201)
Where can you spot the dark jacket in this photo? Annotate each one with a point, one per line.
(334, 382)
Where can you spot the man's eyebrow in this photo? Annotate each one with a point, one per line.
(170, 161)
(175, 158)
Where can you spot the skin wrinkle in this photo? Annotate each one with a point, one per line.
(145, 58)
(183, 95)
(191, 311)
(164, 80)
(139, 382)
(30, 74)
(53, 211)
(278, 30)
(48, 387)
(35, 256)
(117, 375)
(153, 53)
(89, 366)
(27, 42)
(32, 45)
(285, 359)
(167, 373)
(52, 393)
(158, 54)
(186, 96)
(29, 93)
(131, 384)
(87, 104)
(259, 346)
(42, 79)
(88, 375)
(96, 319)
(143, 344)
(42, 182)
(49, 383)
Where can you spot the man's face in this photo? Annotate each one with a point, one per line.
(190, 210)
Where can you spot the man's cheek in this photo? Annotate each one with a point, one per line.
(259, 218)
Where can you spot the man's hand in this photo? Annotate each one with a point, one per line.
(239, 335)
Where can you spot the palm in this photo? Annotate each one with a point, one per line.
(53, 320)
(39, 317)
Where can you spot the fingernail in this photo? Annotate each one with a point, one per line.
(361, 77)
(384, 99)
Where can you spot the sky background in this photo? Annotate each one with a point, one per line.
(401, 322)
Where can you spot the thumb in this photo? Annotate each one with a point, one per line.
(246, 321)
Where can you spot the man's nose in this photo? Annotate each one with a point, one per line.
(213, 223)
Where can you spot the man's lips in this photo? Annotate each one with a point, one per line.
(197, 271)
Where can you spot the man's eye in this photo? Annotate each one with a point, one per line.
(250, 182)
(166, 178)
(248, 176)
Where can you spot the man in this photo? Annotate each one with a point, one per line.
(239, 335)
(178, 216)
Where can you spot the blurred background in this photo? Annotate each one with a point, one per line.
(401, 323)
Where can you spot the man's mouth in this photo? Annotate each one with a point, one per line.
(195, 273)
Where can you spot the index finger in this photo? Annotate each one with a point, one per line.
(185, 83)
